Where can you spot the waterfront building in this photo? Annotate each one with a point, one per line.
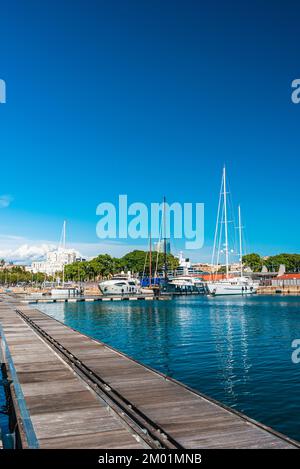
(55, 261)
(265, 277)
(203, 267)
(287, 280)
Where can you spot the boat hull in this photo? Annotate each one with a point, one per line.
(222, 289)
(110, 288)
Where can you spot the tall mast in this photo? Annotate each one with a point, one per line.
(64, 235)
(225, 222)
(150, 262)
(64, 247)
(165, 241)
(240, 237)
(213, 259)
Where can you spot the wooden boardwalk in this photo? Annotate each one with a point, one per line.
(65, 413)
(80, 393)
(81, 299)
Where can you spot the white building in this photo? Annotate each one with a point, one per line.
(55, 260)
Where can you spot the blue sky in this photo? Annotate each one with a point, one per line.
(146, 99)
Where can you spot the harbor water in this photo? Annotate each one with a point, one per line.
(237, 350)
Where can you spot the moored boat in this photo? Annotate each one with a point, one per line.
(120, 284)
(187, 284)
(230, 285)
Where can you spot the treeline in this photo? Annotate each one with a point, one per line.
(104, 266)
(272, 263)
(17, 274)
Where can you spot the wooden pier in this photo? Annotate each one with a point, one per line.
(71, 391)
(25, 299)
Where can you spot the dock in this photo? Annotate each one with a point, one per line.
(25, 299)
(71, 391)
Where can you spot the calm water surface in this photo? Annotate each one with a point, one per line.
(236, 350)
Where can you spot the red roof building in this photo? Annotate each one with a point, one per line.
(286, 280)
(287, 276)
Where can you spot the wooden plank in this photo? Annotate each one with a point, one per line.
(104, 440)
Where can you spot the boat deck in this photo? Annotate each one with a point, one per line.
(81, 393)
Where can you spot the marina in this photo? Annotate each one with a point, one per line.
(149, 232)
(42, 352)
(237, 350)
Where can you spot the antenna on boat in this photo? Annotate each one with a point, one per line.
(240, 239)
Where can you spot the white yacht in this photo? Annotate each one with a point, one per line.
(184, 284)
(121, 284)
(230, 285)
(186, 281)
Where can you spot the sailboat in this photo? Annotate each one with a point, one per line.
(230, 285)
(148, 289)
(63, 289)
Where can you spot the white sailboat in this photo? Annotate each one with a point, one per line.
(64, 290)
(238, 285)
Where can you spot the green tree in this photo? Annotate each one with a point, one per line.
(104, 266)
(18, 274)
(137, 260)
(291, 262)
(77, 272)
(254, 261)
(133, 261)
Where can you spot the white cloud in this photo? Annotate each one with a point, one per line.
(26, 252)
(5, 200)
(22, 250)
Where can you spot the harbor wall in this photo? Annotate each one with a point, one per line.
(282, 290)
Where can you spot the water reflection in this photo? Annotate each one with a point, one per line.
(229, 326)
(236, 350)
